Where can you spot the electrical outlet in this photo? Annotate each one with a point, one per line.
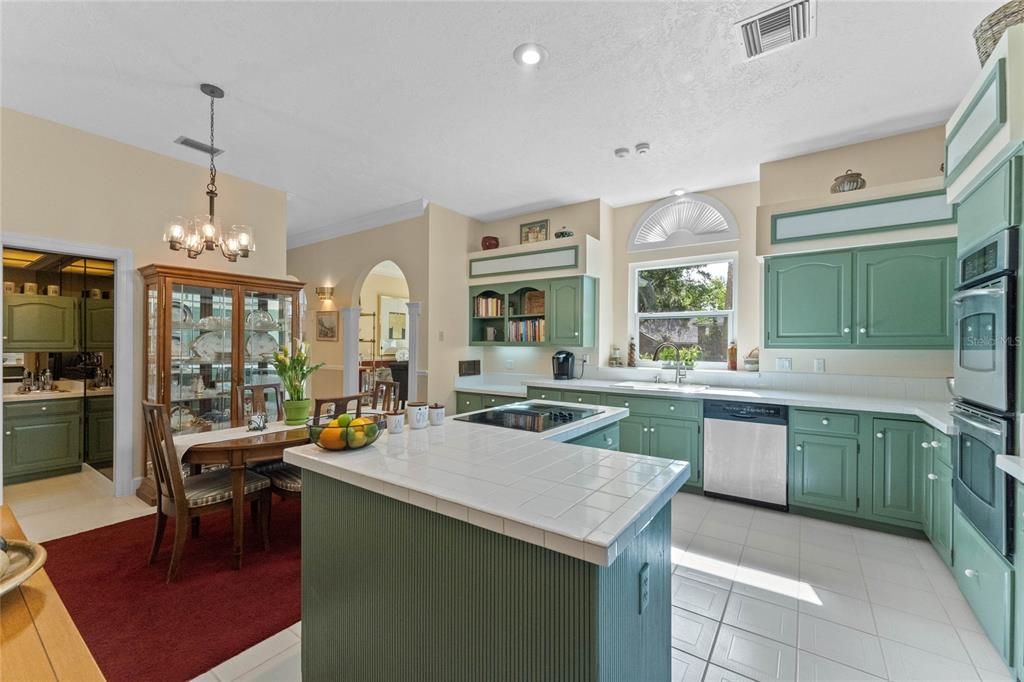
(440, 335)
(510, 364)
(645, 587)
(783, 364)
(586, 358)
(819, 364)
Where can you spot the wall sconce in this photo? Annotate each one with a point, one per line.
(324, 293)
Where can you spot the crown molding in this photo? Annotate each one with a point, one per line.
(386, 216)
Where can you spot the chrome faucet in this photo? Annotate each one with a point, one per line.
(680, 371)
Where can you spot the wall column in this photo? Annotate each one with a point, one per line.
(414, 349)
(350, 350)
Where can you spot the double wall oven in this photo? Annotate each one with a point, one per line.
(985, 348)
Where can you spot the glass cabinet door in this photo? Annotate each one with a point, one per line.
(200, 357)
(267, 325)
(152, 335)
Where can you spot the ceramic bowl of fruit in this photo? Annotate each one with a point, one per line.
(345, 432)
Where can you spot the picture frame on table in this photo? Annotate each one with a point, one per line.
(537, 231)
(327, 325)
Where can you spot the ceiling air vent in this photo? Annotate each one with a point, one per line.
(777, 27)
(198, 146)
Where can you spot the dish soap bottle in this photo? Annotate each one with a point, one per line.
(732, 352)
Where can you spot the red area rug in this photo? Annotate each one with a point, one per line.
(140, 628)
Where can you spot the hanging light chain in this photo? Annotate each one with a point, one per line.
(213, 166)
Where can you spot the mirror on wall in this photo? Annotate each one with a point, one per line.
(393, 319)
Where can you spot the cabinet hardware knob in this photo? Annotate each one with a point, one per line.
(626, 403)
(863, 330)
(935, 444)
(579, 400)
(43, 408)
(879, 435)
(926, 444)
(799, 448)
(825, 421)
(970, 572)
(932, 477)
(645, 429)
(543, 395)
(607, 440)
(7, 433)
(652, 429)
(575, 333)
(672, 407)
(846, 330)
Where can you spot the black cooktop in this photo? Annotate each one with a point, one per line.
(532, 417)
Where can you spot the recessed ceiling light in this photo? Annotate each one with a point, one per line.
(679, 191)
(622, 152)
(529, 54)
(642, 148)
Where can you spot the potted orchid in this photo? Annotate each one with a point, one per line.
(294, 368)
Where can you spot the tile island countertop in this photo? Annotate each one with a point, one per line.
(580, 501)
(933, 412)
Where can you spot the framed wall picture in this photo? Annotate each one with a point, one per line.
(327, 325)
(537, 231)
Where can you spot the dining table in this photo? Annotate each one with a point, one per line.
(238, 449)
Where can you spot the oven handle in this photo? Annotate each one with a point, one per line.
(978, 425)
(998, 290)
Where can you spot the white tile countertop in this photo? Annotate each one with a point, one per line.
(1011, 464)
(580, 501)
(933, 412)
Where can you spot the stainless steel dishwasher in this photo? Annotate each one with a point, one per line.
(745, 451)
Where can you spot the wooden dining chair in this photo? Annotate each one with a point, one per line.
(385, 396)
(256, 395)
(338, 405)
(187, 499)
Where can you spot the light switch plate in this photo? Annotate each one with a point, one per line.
(819, 364)
(783, 364)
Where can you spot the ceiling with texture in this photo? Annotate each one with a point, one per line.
(354, 108)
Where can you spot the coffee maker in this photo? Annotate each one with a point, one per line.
(563, 365)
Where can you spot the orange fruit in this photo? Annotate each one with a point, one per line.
(332, 439)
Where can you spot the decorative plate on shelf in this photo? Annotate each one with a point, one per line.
(210, 347)
(213, 324)
(180, 313)
(261, 345)
(181, 418)
(261, 320)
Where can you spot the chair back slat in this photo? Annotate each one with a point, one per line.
(385, 396)
(256, 396)
(162, 455)
(338, 405)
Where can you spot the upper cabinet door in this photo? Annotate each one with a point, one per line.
(993, 206)
(39, 323)
(903, 296)
(572, 313)
(97, 324)
(808, 300)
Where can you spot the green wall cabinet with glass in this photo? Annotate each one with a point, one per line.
(886, 297)
(99, 431)
(42, 438)
(34, 323)
(560, 311)
(470, 402)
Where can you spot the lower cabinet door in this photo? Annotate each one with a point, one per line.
(823, 472)
(940, 511)
(99, 428)
(39, 444)
(634, 435)
(678, 439)
(897, 469)
(986, 581)
(606, 438)
(1018, 583)
(469, 402)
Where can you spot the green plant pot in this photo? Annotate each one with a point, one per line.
(296, 411)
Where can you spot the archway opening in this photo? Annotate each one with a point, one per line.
(384, 334)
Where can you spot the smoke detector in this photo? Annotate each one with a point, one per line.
(642, 148)
(622, 152)
(778, 27)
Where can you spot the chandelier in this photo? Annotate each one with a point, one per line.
(203, 232)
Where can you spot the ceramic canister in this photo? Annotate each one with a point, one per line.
(417, 412)
(436, 415)
(95, 293)
(396, 422)
(30, 288)
(10, 287)
(52, 290)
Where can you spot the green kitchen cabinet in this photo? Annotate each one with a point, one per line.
(903, 295)
(97, 325)
(883, 297)
(468, 402)
(937, 509)
(582, 397)
(634, 435)
(543, 394)
(39, 323)
(994, 205)
(897, 482)
(808, 300)
(678, 439)
(986, 581)
(1018, 581)
(606, 438)
(42, 438)
(491, 400)
(572, 311)
(99, 431)
(823, 472)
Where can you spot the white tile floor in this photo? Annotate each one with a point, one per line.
(52, 508)
(763, 595)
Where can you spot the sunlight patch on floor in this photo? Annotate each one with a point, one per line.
(746, 575)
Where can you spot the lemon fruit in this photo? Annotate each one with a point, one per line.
(356, 438)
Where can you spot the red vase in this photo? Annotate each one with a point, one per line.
(489, 242)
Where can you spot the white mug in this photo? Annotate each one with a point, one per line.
(417, 415)
(436, 415)
(396, 422)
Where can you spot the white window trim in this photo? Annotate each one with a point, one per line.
(634, 315)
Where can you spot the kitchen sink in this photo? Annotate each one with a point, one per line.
(668, 388)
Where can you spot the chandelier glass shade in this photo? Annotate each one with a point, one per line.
(203, 232)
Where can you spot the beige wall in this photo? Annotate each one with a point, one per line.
(581, 218)
(344, 263)
(65, 184)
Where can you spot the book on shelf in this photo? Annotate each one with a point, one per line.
(526, 331)
(487, 307)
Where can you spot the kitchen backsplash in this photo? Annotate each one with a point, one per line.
(841, 384)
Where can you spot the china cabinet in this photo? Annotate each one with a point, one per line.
(206, 332)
